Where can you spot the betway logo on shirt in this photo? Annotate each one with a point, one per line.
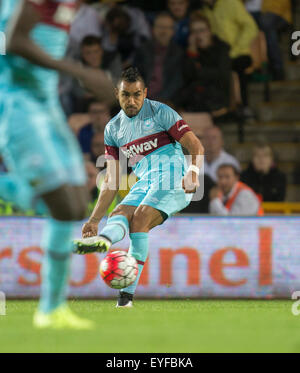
(138, 149)
(143, 146)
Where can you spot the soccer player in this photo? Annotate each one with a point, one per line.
(151, 135)
(44, 161)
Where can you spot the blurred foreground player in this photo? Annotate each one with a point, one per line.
(151, 135)
(43, 158)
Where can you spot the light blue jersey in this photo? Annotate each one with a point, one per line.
(150, 141)
(35, 140)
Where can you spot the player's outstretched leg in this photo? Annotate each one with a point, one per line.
(139, 247)
(115, 230)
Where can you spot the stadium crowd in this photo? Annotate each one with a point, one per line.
(198, 56)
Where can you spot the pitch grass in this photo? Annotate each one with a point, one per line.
(160, 326)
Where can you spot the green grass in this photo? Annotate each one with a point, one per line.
(160, 326)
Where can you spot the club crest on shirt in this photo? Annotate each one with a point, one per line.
(148, 124)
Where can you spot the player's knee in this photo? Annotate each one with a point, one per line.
(139, 222)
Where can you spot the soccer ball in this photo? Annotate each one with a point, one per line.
(119, 269)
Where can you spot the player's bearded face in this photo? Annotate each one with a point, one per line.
(131, 97)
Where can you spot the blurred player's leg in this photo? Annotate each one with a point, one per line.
(57, 246)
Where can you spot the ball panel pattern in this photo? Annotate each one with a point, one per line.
(118, 269)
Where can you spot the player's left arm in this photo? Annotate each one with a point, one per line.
(193, 145)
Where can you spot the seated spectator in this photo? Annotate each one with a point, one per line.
(232, 23)
(74, 98)
(99, 117)
(86, 22)
(179, 10)
(91, 173)
(263, 176)
(231, 196)
(276, 15)
(201, 206)
(120, 34)
(160, 60)
(215, 155)
(207, 70)
(97, 146)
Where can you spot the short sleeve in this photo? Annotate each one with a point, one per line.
(172, 122)
(111, 149)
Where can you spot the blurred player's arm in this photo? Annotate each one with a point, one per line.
(193, 146)
(109, 189)
(19, 42)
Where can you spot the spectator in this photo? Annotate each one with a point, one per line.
(97, 146)
(232, 197)
(254, 8)
(121, 34)
(215, 155)
(92, 173)
(207, 70)
(276, 15)
(179, 10)
(263, 176)
(86, 22)
(93, 55)
(74, 98)
(99, 117)
(232, 23)
(160, 60)
(201, 206)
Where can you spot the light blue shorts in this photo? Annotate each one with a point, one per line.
(37, 144)
(168, 201)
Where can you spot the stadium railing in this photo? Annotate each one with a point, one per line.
(281, 208)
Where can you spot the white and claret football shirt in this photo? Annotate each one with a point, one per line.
(150, 140)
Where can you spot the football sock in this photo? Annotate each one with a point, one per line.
(116, 228)
(139, 246)
(57, 247)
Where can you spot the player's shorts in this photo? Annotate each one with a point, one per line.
(37, 144)
(169, 201)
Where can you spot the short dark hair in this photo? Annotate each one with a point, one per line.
(230, 165)
(197, 16)
(131, 75)
(163, 14)
(89, 40)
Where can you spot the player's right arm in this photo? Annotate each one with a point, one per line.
(19, 42)
(109, 189)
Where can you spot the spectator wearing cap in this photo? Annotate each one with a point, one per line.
(231, 196)
(160, 60)
(263, 176)
(215, 155)
(207, 70)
